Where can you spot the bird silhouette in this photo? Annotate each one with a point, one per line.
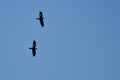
(34, 48)
(41, 18)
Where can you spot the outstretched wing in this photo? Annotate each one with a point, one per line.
(34, 43)
(40, 14)
(42, 22)
(34, 51)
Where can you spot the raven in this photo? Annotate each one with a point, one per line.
(41, 18)
(34, 48)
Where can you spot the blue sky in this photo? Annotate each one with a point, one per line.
(80, 40)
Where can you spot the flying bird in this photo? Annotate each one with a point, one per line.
(41, 18)
(33, 48)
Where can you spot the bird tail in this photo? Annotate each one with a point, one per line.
(30, 48)
(37, 18)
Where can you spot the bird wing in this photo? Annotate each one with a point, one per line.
(34, 43)
(34, 52)
(40, 14)
(42, 22)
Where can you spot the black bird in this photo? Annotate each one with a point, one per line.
(41, 18)
(33, 48)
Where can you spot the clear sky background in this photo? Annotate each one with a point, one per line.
(80, 40)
